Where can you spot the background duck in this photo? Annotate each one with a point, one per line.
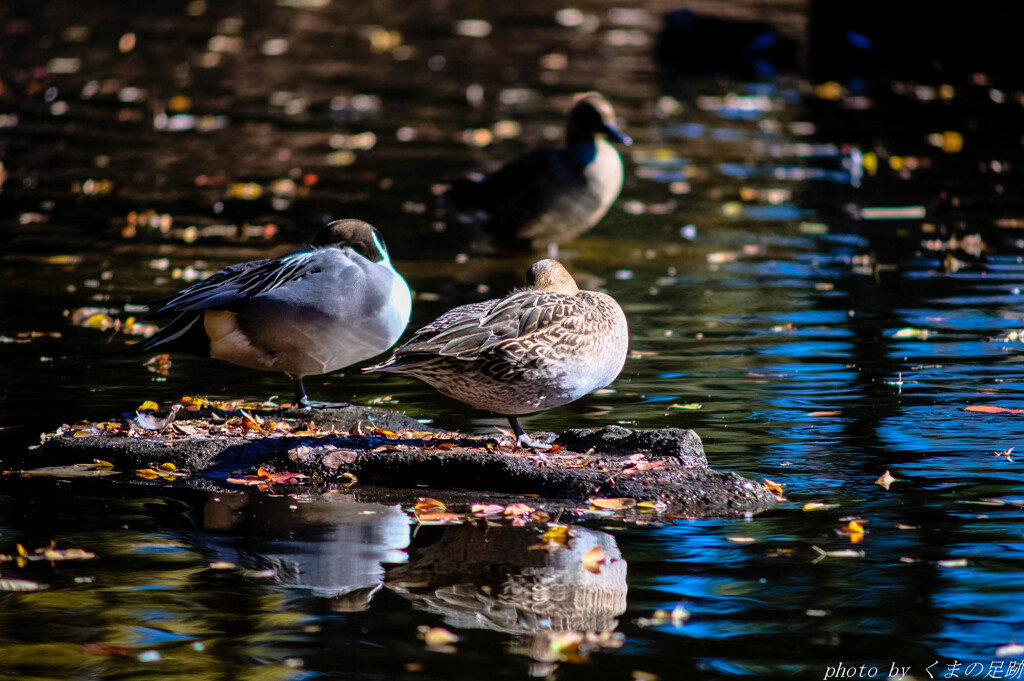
(549, 196)
(310, 312)
(538, 347)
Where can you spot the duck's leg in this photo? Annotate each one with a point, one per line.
(301, 400)
(522, 439)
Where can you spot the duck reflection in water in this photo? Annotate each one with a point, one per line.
(490, 578)
(548, 196)
(336, 547)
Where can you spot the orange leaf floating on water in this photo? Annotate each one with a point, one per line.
(1004, 453)
(556, 537)
(854, 530)
(885, 480)
(989, 409)
(437, 639)
(618, 503)
(775, 488)
(594, 559)
(147, 473)
(835, 412)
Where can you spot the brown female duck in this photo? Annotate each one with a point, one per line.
(538, 347)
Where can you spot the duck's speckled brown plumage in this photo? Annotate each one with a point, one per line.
(538, 347)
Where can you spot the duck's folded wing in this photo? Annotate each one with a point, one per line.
(472, 336)
(233, 286)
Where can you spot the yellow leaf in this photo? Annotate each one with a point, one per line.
(168, 466)
(618, 503)
(102, 465)
(556, 533)
(594, 559)
(913, 333)
(654, 505)
(148, 405)
(437, 638)
(818, 506)
(691, 405)
(147, 473)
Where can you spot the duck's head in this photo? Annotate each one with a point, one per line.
(361, 237)
(592, 115)
(549, 275)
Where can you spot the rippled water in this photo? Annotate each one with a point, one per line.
(819, 280)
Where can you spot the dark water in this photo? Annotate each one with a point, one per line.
(832, 272)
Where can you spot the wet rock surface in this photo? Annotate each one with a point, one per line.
(388, 449)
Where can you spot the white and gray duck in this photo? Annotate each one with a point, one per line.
(310, 312)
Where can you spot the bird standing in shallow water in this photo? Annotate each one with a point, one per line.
(310, 312)
(538, 347)
(549, 196)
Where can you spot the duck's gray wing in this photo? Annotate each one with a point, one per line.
(232, 287)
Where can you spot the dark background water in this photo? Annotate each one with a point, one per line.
(818, 243)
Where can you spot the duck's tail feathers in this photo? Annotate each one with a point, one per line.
(184, 333)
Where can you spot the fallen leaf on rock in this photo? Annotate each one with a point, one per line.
(617, 504)
(594, 559)
(885, 480)
(487, 509)
(989, 409)
(429, 504)
(652, 505)
(288, 478)
(517, 509)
